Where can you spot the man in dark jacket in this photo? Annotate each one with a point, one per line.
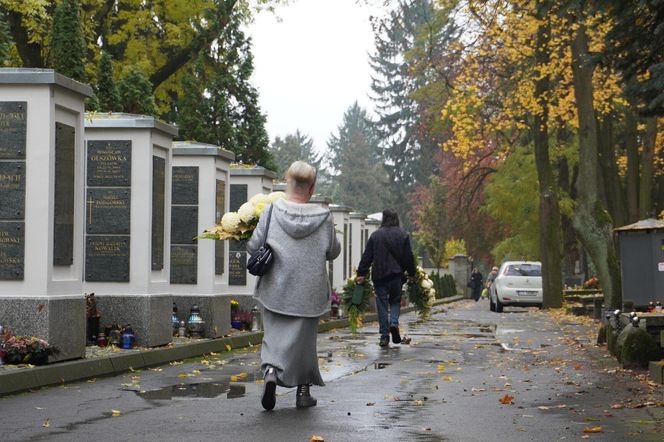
(389, 255)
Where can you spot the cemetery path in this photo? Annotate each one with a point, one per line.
(468, 375)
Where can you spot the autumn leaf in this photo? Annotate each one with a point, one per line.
(234, 378)
(370, 404)
(617, 406)
(440, 367)
(506, 400)
(228, 347)
(183, 375)
(115, 413)
(40, 307)
(196, 372)
(446, 378)
(593, 430)
(46, 424)
(316, 438)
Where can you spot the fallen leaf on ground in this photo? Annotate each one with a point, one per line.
(446, 378)
(92, 381)
(506, 400)
(196, 372)
(419, 402)
(316, 438)
(234, 378)
(553, 407)
(370, 404)
(46, 424)
(592, 430)
(440, 367)
(176, 363)
(228, 347)
(115, 413)
(182, 375)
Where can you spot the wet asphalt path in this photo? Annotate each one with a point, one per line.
(446, 385)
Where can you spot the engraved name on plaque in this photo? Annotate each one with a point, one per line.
(63, 216)
(158, 211)
(184, 225)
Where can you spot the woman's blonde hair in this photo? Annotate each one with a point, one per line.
(300, 176)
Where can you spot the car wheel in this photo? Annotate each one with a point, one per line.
(499, 306)
(492, 305)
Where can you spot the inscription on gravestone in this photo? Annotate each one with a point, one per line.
(109, 163)
(184, 264)
(239, 196)
(13, 128)
(158, 209)
(63, 217)
(184, 184)
(107, 258)
(220, 200)
(184, 224)
(12, 190)
(11, 250)
(237, 268)
(108, 211)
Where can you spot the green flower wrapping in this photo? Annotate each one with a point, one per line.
(356, 301)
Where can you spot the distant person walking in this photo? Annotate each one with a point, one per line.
(491, 277)
(295, 292)
(475, 284)
(389, 255)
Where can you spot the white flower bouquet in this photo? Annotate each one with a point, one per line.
(241, 224)
(421, 293)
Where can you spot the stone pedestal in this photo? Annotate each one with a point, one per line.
(41, 207)
(201, 173)
(245, 183)
(460, 267)
(356, 238)
(128, 192)
(340, 268)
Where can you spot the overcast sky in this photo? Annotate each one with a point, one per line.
(311, 64)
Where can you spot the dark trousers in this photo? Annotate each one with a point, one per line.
(388, 295)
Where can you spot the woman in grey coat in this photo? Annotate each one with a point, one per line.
(296, 291)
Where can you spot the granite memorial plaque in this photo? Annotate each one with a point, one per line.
(158, 209)
(184, 264)
(108, 211)
(107, 259)
(12, 190)
(184, 184)
(184, 224)
(109, 163)
(12, 250)
(237, 268)
(63, 216)
(219, 258)
(13, 129)
(239, 196)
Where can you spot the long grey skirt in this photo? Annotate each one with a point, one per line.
(289, 345)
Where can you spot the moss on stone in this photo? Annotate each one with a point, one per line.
(638, 349)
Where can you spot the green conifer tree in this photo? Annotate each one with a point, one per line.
(136, 93)
(5, 42)
(67, 41)
(106, 90)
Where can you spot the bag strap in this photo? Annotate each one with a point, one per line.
(267, 227)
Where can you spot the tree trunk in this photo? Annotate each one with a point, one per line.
(549, 211)
(615, 197)
(591, 221)
(29, 52)
(632, 176)
(647, 169)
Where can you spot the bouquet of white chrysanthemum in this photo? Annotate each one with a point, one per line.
(421, 293)
(241, 224)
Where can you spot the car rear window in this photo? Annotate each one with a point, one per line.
(524, 270)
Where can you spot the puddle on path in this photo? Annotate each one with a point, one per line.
(381, 365)
(206, 390)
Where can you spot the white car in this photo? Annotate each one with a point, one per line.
(518, 283)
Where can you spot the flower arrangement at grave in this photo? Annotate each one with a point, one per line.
(592, 283)
(421, 293)
(356, 303)
(25, 349)
(241, 224)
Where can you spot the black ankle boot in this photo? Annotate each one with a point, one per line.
(303, 399)
(269, 399)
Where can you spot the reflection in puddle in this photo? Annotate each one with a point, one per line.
(381, 365)
(206, 390)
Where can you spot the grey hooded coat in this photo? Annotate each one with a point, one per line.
(303, 239)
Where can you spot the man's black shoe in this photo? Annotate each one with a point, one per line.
(269, 399)
(384, 341)
(396, 337)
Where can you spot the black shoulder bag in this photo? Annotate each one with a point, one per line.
(261, 260)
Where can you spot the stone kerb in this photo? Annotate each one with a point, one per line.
(41, 210)
(127, 244)
(199, 273)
